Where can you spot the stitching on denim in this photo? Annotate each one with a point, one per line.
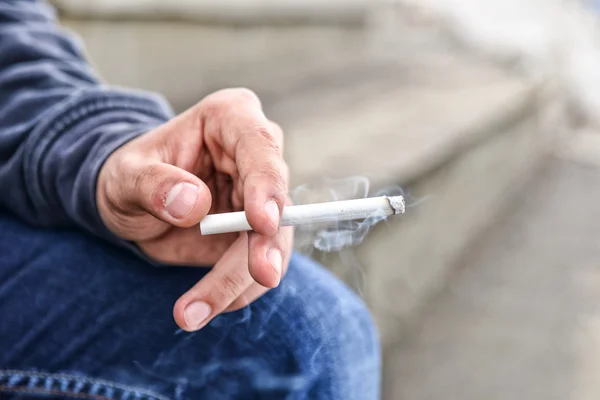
(43, 375)
(17, 389)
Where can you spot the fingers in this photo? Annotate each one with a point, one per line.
(170, 194)
(265, 261)
(187, 247)
(232, 283)
(252, 293)
(263, 172)
(256, 290)
(268, 255)
(227, 287)
(226, 282)
(255, 144)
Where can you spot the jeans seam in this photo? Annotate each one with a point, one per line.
(43, 375)
(21, 389)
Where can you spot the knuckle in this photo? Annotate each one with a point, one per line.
(148, 188)
(208, 109)
(238, 304)
(232, 285)
(226, 101)
(127, 165)
(146, 177)
(282, 241)
(245, 94)
(226, 96)
(277, 132)
(267, 139)
(274, 176)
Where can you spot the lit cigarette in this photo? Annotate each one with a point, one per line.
(310, 213)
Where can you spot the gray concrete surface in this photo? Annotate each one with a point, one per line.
(520, 318)
(231, 11)
(186, 61)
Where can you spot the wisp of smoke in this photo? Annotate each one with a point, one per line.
(333, 238)
(342, 236)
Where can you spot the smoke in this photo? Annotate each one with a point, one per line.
(340, 235)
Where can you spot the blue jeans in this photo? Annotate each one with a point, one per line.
(80, 319)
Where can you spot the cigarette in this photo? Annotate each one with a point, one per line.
(310, 213)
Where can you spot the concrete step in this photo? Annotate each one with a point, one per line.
(232, 11)
(519, 319)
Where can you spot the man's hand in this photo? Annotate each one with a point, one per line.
(221, 155)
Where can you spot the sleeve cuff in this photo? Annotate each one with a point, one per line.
(65, 154)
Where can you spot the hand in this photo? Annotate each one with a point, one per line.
(221, 155)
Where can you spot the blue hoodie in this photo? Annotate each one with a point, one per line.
(58, 122)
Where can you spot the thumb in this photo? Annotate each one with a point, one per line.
(169, 193)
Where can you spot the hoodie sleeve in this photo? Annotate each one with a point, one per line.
(58, 123)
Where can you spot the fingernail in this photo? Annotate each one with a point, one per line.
(274, 257)
(181, 199)
(272, 210)
(196, 313)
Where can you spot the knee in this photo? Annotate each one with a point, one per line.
(334, 315)
(327, 327)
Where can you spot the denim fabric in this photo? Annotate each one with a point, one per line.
(81, 319)
(15, 384)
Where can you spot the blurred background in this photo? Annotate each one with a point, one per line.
(486, 113)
